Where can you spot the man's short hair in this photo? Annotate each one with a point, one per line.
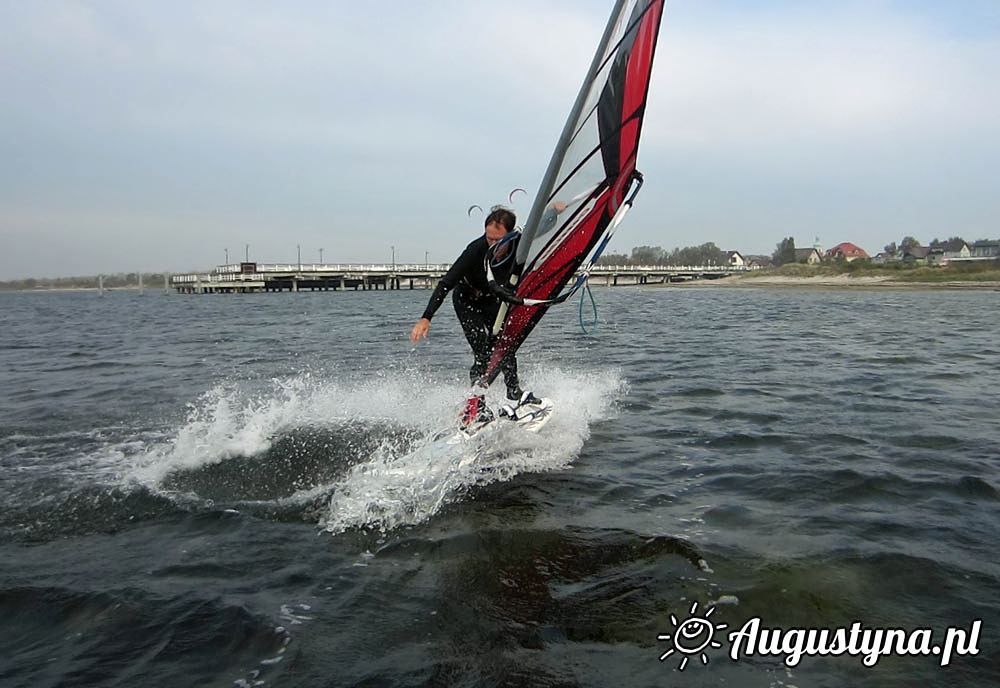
(502, 216)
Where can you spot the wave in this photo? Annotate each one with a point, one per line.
(127, 636)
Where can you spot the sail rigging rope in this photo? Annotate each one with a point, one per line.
(593, 304)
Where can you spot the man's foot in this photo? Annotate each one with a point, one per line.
(525, 398)
(476, 411)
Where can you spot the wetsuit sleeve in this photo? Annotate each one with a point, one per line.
(459, 269)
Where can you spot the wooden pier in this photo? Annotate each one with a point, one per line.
(265, 277)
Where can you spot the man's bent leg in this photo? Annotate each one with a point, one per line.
(510, 378)
(477, 333)
(514, 391)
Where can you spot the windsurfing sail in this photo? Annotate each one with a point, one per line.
(589, 184)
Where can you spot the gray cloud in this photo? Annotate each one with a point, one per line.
(153, 136)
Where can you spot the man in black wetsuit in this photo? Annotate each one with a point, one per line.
(476, 308)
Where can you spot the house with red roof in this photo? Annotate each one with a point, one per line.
(846, 251)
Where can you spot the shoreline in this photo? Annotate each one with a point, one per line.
(828, 282)
(63, 289)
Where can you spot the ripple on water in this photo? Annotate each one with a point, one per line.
(127, 635)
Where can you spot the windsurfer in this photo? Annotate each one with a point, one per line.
(476, 307)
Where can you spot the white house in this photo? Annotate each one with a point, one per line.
(735, 259)
(809, 256)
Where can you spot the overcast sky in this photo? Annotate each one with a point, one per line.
(154, 135)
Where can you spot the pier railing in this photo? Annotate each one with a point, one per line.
(365, 273)
(339, 267)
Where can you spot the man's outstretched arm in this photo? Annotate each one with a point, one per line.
(464, 263)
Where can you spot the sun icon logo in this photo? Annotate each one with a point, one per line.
(692, 636)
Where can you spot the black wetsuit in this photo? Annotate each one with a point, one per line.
(476, 309)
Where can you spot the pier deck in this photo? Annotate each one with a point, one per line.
(264, 277)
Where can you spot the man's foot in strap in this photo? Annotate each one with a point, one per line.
(476, 411)
(521, 398)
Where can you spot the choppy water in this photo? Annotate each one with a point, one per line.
(245, 489)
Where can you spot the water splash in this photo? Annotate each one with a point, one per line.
(392, 490)
(369, 450)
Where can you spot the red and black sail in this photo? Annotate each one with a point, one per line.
(590, 175)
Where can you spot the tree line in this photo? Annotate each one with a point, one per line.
(710, 254)
(909, 242)
(706, 254)
(116, 281)
(784, 252)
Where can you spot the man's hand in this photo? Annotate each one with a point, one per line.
(420, 330)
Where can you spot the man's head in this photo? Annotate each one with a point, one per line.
(498, 223)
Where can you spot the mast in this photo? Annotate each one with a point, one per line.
(548, 181)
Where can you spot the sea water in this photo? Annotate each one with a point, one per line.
(251, 489)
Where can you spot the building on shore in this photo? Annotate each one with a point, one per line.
(846, 251)
(735, 259)
(809, 256)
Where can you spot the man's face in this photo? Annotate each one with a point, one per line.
(495, 232)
